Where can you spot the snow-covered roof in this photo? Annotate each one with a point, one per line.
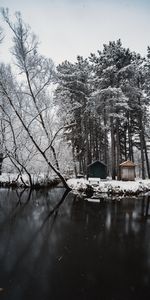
(127, 163)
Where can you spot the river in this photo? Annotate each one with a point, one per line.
(54, 248)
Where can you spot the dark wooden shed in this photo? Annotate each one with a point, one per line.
(97, 169)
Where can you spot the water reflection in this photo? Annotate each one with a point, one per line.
(52, 249)
(108, 219)
(145, 206)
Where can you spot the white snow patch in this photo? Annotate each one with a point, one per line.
(117, 186)
(78, 184)
(93, 200)
(114, 186)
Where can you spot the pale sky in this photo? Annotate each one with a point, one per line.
(67, 28)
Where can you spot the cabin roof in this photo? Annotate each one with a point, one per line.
(96, 162)
(127, 163)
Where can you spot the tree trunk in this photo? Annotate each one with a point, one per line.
(113, 165)
(142, 148)
(74, 161)
(1, 162)
(105, 139)
(141, 136)
(142, 155)
(130, 146)
(146, 159)
(117, 150)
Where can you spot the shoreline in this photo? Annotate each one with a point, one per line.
(15, 181)
(110, 187)
(79, 186)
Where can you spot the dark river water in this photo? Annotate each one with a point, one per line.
(75, 249)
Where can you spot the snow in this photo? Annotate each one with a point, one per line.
(111, 186)
(10, 178)
(93, 181)
(116, 186)
(6, 177)
(78, 184)
(93, 200)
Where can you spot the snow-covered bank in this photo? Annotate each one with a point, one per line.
(15, 180)
(112, 186)
(79, 185)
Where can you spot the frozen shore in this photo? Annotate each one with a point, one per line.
(111, 186)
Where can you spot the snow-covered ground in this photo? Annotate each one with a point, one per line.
(112, 186)
(78, 184)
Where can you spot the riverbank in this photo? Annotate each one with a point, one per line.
(16, 181)
(79, 186)
(111, 187)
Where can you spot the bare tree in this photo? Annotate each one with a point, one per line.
(1, 34)
(1, 125)
(25, 95)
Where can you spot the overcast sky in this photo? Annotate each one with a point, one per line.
(67, 28)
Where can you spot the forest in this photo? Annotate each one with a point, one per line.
(59, 119)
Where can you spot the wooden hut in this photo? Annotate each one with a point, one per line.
(127, 170)
(97, 170)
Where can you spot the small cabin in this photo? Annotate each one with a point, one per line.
(97, 170)
(127, 170)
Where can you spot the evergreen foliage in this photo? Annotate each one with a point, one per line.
(107, 95)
